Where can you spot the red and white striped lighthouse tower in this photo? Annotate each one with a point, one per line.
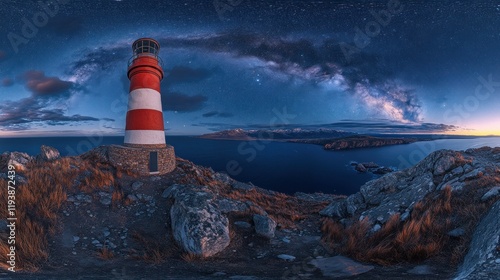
(145, 127)
(145, 151)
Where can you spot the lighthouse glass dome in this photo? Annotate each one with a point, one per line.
(145, 47)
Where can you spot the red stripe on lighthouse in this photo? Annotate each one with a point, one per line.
(144, 119)
(145, 79)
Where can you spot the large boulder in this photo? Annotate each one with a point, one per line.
(483, 259)
(198, 226)
(16, 159)
(48, 154)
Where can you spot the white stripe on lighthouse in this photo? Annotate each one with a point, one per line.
(144, 98)
(148, 137)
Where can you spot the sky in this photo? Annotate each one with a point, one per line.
(361, 66)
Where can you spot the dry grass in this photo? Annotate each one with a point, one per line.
(189, 257)
(151, 250)
(118, 197)
(105, 254)
(38, 203)
(99, 177)
(37, 206)
(422, 236)
(283, 209)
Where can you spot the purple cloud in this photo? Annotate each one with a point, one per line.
(24, 113)
(40, 85)
(7, 82)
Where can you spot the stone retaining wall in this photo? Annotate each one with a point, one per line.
(137, 159)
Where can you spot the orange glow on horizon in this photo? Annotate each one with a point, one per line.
(474, 132)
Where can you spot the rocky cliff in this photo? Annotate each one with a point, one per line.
(434, 206)
(90, 215)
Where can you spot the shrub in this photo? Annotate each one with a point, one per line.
(422, 236)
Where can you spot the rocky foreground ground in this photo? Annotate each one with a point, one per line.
(85, 217)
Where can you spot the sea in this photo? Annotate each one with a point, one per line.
(279, 166)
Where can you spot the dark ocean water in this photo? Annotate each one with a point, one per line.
(280, 166)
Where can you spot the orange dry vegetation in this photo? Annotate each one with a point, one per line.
(152, 250)
(105, 254)
(422, 236)
(99, 177)
(38, 203)
(282, 208)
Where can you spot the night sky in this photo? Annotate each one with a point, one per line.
(364, 66)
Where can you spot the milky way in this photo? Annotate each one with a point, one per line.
(233, 63)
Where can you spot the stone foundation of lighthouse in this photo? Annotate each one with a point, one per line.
(138, 160)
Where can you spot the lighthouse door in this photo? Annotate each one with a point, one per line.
(153, 162)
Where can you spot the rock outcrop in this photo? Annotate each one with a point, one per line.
(371, 167)
(264, 226)
(48, 154)
(17, 159)
(340, 267)
(483, 259)
(198, 226)
(397, 192)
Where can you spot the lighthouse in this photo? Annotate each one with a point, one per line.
(144, 119)
(144, 150)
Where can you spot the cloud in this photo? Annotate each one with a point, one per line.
(175, 101)
(45, 107)
(184, 74)
(217, 114)
(28, 112)
(7, 82)
(40, 85)
(321, 64)
(65, 25)
(213, 126)
(210, 114)
(391, 126)
(376, 126)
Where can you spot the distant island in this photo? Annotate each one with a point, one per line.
(330, 139)
(277, 134)
(356, 142)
